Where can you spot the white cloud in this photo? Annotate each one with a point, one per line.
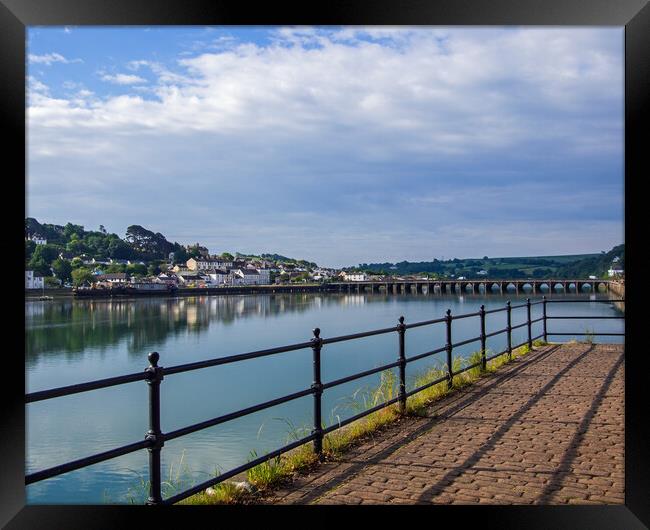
(318, 118)
(50, 58)
(123, 79)
(35, 86)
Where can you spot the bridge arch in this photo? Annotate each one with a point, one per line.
(601, 287)
(511, 287)
(527, 287)
(559, 287)
(585, 287)
(495, 287)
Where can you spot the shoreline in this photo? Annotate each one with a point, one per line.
(35, 294)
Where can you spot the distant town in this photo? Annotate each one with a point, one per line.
(67, 256)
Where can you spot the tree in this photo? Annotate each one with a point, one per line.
(39, 266)
(227, 256)
(151, 245)
(153, 269)
(51, 282)
(116, 267)
(62, 269)
(70, 229)
(30, 246)
(76, 247)
(102, 229)
(47, 253)
(118, 249)
(136, 269)
(81, 276)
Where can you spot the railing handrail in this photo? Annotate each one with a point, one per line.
(154, 374)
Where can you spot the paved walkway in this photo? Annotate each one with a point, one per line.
(547, 428)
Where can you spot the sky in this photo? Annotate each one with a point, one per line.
(340, 145)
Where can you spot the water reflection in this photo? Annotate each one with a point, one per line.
(75, 326)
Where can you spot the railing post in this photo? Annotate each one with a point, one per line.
(509, 327)
(401, 330)
(530, 336)
(483, 359)
(317, 386)
(450, 371)
(544, 315)
(154, 434)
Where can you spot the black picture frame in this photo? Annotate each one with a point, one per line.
(16, 15)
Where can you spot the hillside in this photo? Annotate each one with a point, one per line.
(69, 246)
(566, 266)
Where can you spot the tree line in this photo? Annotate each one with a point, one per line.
(62, 255)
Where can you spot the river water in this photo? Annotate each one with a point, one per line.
(74, 341)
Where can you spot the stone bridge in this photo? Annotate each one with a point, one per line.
(547, 428)
(483, 286)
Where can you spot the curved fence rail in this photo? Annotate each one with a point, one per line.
(155, 439)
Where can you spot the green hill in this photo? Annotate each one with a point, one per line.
(563, 266)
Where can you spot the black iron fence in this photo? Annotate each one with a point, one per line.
(155, 439)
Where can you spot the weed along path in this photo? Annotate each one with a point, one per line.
(546, 428)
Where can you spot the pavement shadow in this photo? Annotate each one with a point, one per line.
(448, 478)
(453, 404)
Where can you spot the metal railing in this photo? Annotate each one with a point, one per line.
(155, 439)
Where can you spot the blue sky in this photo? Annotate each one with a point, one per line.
(339, 145)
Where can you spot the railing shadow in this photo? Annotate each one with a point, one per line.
(452, 405)
(449, 477)
(564, 468)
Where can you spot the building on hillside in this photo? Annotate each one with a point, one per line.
(34, 280)
(37, 239)
(219, 276)
(203, 251)
(246, 276)
(355, 276)
(114, 278)
(205, 264)
(615, 271)
(191, 278)
(168, 279)
(265, 276)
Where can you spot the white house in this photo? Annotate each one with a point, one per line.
(168, 279)
(205, 264)
(355, 277)
(33, 281)
(245, 276)
(187, 278)
(265, 276)
(615, 272)
(113, 277)
(39, 240)
(219, 277)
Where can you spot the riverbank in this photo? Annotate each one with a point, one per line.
(617, 289)
(35, 294)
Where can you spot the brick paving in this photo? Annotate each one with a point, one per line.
(547, 428)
